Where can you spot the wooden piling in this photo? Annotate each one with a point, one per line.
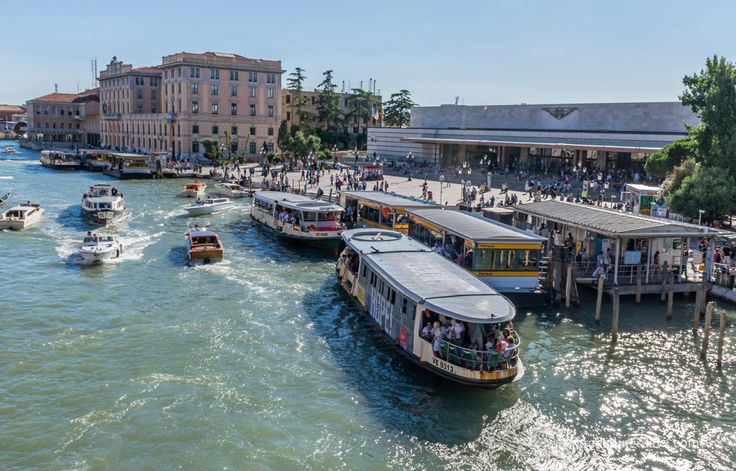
(696, 313)
(670, 294)
(663, 290)
(616, 307)
(557, 277)
(721, 333)
(638, 283)
(706, 328)
(568, 286)
(599, 299)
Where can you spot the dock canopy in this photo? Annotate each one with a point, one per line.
(612, 223)
(476, 228)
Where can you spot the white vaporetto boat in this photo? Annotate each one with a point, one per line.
(299, 218)
(430, 310)
(60, 160)
(103, 204)
(96, 248)
(21, 216)
(231, 190)
(208, 206)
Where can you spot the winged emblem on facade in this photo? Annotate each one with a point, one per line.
(559, 112)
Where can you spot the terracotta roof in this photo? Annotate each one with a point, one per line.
(147, 70)
(66, 97)
(12, 108)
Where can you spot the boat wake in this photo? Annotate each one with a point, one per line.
(6, 177)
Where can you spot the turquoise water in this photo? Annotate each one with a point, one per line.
(260, 362)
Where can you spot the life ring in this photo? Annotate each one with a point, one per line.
(385, 212)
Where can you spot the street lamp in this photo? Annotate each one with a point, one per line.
(700, 216)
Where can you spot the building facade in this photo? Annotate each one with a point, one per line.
(71, 119)
(190, 97)
(355, 125)
(595, 135)
(9, 113)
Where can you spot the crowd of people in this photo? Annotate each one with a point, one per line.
(478, 346)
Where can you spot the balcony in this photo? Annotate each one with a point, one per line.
(112, 116)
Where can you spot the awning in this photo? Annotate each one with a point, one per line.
(549, 143)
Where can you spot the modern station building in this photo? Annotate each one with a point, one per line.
(603, 135)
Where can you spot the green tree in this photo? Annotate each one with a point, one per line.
(295, 83)
(212, 149)
(328, 108)
(302, 145)
(708, 189)
(282, 140)
(361, 103)
(398, 109)
(663, 162)
(712, 96)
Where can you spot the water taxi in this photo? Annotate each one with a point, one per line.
(380, 210)
(21, 216)
(232, 190)
(299, 218)
(128, 166)
(502, 256)
(9, 150)
(95, 160)
(193, 189)
(60, 160)
(430, 310)
(203, 245)
(96, 248)
(103, 204)
(208, 206)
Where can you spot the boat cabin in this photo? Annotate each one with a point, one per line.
(502, 256)
(98, 239)
(381, 210)
(18, 213)
(302, 213)
(431, 310)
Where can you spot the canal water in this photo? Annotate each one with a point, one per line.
(260, 362)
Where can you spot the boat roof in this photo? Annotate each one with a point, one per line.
(442, 286)
(102, 185)
(389, 199)
(200, 232)
(300, 202)
(381, 241)
(23, 207)
(475, 227)
(126, 155)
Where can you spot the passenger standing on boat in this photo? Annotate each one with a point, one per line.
(438, 338)
(427, 332)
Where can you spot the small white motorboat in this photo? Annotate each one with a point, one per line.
(96, 248)
(9, 150)
(208, 206)
(231, 190)
(21, 216)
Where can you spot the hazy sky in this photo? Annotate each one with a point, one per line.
(485, 52)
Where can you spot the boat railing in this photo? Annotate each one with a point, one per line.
(478, 360)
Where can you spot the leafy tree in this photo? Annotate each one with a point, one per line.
(302, 145)
(662, 162)
(212, 149)
(282, 140)
(678, 174)
(708, 189)
(398, 109)
(361, 102)
(328, 108)
(295, 83)
(712, 96)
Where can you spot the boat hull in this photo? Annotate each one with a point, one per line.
(205, 256)
(62, 167)
(330, 242)
(128, 175)
(103, 218)
(100, 256)
(201, 211)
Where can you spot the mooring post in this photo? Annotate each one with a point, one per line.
(616, 307)
(670, 294)
(664, 287)
(568, 286)
(696, 313)
(721, 333)
(557, 276)
(599, 299)
(638, 283)
(706, 328)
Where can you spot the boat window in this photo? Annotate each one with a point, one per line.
(369, 214)
(403, 305)
(506, 260)
(365, 270)
(424, 235)
(309, 216)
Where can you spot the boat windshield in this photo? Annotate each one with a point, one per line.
(475, 346)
